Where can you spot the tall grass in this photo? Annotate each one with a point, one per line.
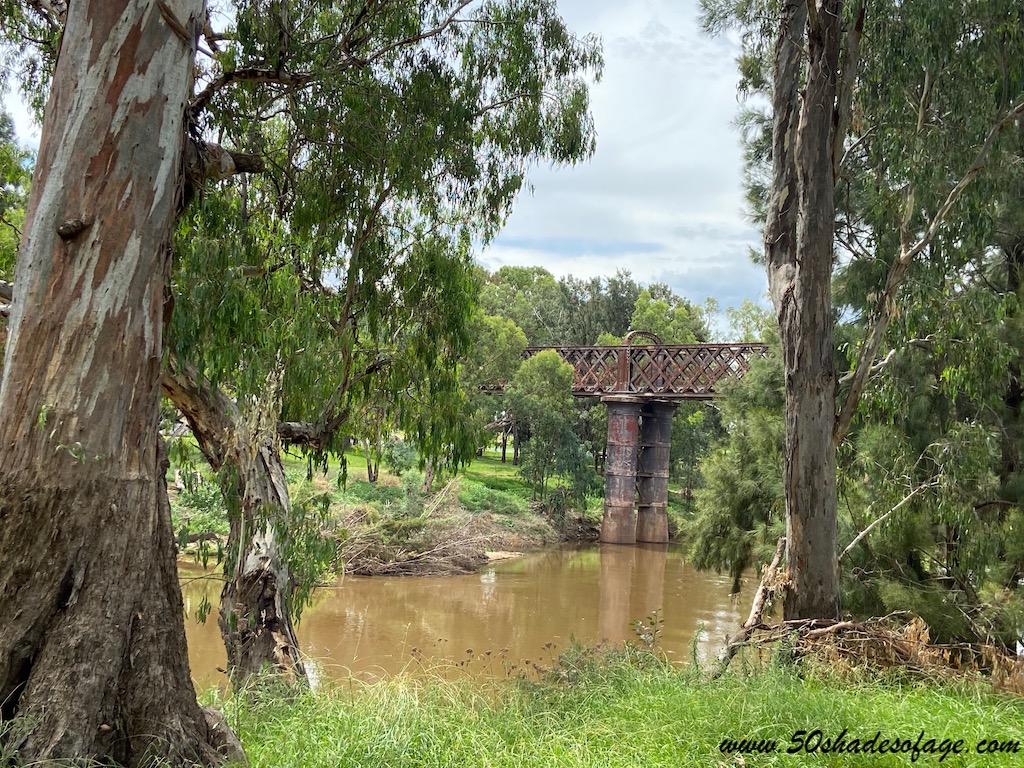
(617, 712)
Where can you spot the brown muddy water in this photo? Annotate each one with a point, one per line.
(512, 614)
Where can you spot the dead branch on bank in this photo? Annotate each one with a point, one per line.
(403, 546)
(371, 557)
(774, 582)
(899, 641)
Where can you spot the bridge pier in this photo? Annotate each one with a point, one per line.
(619, 523)
(652, 471)
(637, 464)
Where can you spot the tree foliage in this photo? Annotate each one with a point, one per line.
(741, 505)
(540, 396)
(15, 174)
(330, 293)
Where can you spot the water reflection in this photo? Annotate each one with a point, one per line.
(513, 611)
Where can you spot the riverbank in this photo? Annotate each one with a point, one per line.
(628, 709)
(395, 526)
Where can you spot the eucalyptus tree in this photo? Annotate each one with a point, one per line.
(886, 160)
(390, 139)
(672, 319)
(540, 395)
(493, 359)
(798, 240)
(599, 306)
(93, 665)
(929, 173)
(532, 299)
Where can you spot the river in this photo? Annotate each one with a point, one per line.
(512, 614)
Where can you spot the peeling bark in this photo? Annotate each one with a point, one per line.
(254, 619)
(92, 649)
(799, 237)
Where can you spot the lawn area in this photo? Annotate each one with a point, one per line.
(488, 470)
(627, 712)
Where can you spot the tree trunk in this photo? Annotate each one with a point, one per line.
(255, 618)
(799, 248)
(428, 476)
(372, 462)
(92, 650)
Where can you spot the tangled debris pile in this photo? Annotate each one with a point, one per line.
(900, 640)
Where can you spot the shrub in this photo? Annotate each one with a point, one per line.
(398, 456)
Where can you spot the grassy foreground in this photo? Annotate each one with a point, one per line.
(629, 711)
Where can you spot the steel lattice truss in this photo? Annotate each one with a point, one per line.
(671, 372)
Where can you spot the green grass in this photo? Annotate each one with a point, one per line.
(475, 496)
(356, 491)
(617, 714)
(489, 471)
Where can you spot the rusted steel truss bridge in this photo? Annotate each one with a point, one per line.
(642, 384)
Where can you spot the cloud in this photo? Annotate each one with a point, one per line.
(570, 246)
(719, 279)
(26, 130)
(663, 195)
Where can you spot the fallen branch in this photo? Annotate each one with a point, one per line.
(899, 640)
(772, 583)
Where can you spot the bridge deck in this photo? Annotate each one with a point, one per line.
(667, 371)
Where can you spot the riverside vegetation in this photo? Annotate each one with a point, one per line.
(393, 525)
(628, 707)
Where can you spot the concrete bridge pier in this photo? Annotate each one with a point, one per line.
(619, 523)
(652, 471)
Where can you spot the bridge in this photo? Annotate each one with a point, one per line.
(642, 385)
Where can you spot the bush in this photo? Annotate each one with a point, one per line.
(398, 456)
(200, 509)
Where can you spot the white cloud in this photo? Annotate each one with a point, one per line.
(26, 130)
(668, 169)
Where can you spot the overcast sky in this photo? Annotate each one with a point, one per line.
(662, 197)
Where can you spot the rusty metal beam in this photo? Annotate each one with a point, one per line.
(667, 372)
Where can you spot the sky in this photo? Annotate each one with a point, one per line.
(662, 197)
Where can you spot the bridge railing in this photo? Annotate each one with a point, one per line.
(670, 371)
(688, 371)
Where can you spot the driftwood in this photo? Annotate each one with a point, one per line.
(773, 582)
(372, 558)
(898, 640)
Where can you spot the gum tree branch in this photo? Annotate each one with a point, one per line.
(886, 302)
